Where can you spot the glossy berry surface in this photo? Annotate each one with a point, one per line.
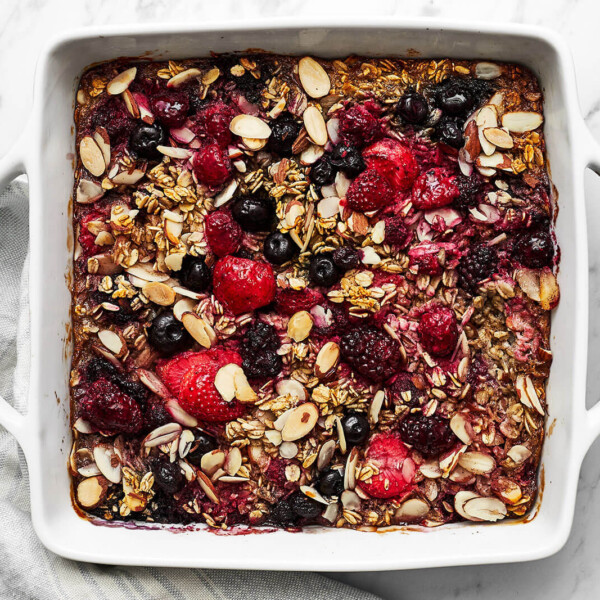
(330, 483)
(413, 108)
(282, 514)
(369, 191)
(439, 331)
(470, 191)
(203, 443)
(242, 285)
(172, 371)
(394, 162)
(223, 233)
(434, 189)
(168, 476)
(449, 131)
(168, 335)
(356, 428)
(212, 166)
(534, 249)
(145, 139)
(195, 274)
(346, 258)
(455, 98)
(305, 507)
(348, 158)
(109, 410)
(371, 352)
(479, 264)
(429, 435)
(358, 126)
(279, 248)
(254, 213)
(284, 132)
(170, 108)
(323, 271)
(322, 172)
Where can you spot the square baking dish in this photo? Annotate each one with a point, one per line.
(46, 152)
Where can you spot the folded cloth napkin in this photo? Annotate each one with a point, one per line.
(27, 569)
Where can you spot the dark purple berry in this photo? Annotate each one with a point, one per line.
(305, 507)
(449, 131)
(195, 274)
(348, 159)
(429, 435)
(203, 443)
(323, 271)
(404, 391)
(331, 483)
(322, 172)
(413, 108)
(170, 108)
(259, 351)
(254, 213)
(476, 266)
(284, 131)
(168, 476)
(534, 249)
(145, 139)
(356, 428)
(279, 248)
(282, 514)
(168, 335)
(346, 258)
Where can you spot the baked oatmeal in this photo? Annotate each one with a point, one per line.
(310, 292)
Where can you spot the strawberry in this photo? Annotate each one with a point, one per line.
(242, 285)
(393, 161)
(369, 191)
(199, 396)
(291, 301)
(224, 235)
(434, 189)
(172, 371)
(211, 165)
(396, 470)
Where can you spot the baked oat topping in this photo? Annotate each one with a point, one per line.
(310, 291)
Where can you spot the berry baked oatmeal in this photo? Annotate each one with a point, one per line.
(310, 292)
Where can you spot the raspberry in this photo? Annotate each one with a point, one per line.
(476, 266)
(172, 371)
(439, 331)
(223, 233)
(213, 121)
(199, 396)
(404, 391)
(394, 162)
(425, 258)
(212, 165)
(429, 435)
(242, 285)
(110, 410)
(534, 249)
(371, 352)
(396, 232)
(478, 370)
(396, 470)
(291, 301)
(87, 240)
(358, 126)
(434, 189)
(369, 191)
(258, 350)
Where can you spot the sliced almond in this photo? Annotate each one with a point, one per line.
(101, 138)
(88, 191)
(485, 509)
(315, 125)
(460, 499)
(247, 126)
(233, 462)
(212, 461)
(327, 360)
(522, 121)
(91, 156)
(341, 435)
(224, 381)
(211, 76)
(111, 340)
(199, 329)
(458, 424)
(529, 282)
(186, 441)
(288, 450)
(486, 117)
(131, 104)
(227, 194)
(300, 325)
(292, 387)
(487, 70)
(312, 493)
(128, 177)
(173, 152)
(412, 510)
(162, 435)
(159, 293)
(208, 487)
(497, 160)
(174, 261)
(350, 500)
(350, 470)
(498, 137)
(376, 405)
(173, 231)
(243, 390)
(527, 393)
(519, 453)
(104, 238)
(121, 82)
(146, 272)
(331, 512)
(325, 454)
(300, 422)
(311, 155)
(108, 461)
(549, 290)
(254, 144)
(182, 306)
(91, 492)
(328, 207)
(273, 436)
(174, 409)
(431, 470)
(313, 77)
(183, 77)
(477, 462)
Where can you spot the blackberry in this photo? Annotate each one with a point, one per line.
(371, 352)
(534, 249)
(99, 368)
(305, 507)
(476, 266)
(429, 435)
(265, 363)
(155, 414)
(457, 97)
(261, 336)
(259, 351)
(471, 190)
(282, 514)
(137, 390)
(346, 258)
(396, 232)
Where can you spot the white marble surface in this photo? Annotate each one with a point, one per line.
(574, 572)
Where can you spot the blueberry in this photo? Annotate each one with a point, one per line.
(349, 159)
(254, 213)
(346, 258)
(168, 335)
(413, 108)
(455, 98)
(331, 483)
(449, 131)
(146, 138)
(168, 476)
(279, 248)
(356, 428)
(284, 132)
(305, 507)
(322, 172)
(194, 274)
(203, 443)
(322, 271)
(282, 514)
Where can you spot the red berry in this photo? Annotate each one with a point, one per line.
(199, 396)
(369, 191)
(434, 189)
(170, 108)
(425, 257)
(396, 470)
(223, 233)
(87, 239)
(212, 165)
(213, 121)
(358, 126)
(242, 285)
(110, 410)
(393, 161)
(439, 331)
(291, 301)
(172, 371)
(396, 232)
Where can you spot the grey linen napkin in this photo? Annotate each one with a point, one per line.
(27, 569)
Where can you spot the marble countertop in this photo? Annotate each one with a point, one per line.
(574, 572)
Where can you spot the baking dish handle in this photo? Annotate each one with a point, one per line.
(12, 165)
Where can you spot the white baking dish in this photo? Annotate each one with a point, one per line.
(45, 153)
